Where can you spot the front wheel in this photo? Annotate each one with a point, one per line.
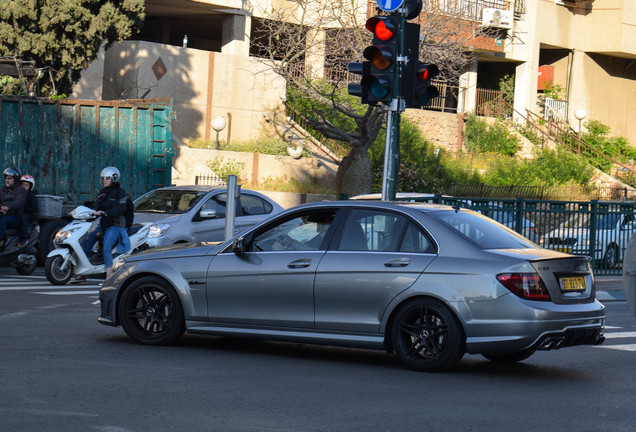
(54, 271)
(426, 336)
(151, 313)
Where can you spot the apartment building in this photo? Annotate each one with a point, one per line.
(201, 53)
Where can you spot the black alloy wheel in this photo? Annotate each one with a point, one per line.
(426, 336)
(151, 313)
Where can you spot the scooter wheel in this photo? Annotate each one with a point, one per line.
(54, 272)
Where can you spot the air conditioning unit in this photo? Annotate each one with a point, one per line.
(496, 18)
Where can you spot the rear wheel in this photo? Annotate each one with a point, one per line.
(54, 271)
(151, 313)
(510, 357)
(610, 259)
(27, 269)
(426, 336)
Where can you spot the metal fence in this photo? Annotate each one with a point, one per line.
(598, 229)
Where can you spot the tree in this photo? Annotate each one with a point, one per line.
(310, 45)
(63, 37)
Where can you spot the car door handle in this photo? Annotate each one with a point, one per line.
(397, 262)
(301, 263)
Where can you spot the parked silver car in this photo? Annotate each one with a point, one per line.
(183, 214)
(428, 282)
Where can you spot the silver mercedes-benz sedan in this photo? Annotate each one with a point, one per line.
(427, 282)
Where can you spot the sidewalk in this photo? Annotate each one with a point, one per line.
(609, 288)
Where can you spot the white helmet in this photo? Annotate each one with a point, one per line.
(29, 179)
(111, 172)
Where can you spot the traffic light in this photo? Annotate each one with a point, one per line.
(382, 56)
(416, 87)
(376, 85)
(423, 91)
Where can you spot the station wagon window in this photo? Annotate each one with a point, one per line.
(374, 230)
(253, 205)
(304, 232)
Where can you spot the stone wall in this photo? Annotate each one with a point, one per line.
(441, 129)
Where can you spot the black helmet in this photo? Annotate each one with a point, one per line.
(13, 172)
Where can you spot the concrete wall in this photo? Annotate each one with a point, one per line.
(203, 85)
(258, 168)
(440, 129)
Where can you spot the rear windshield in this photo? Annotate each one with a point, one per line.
(168, 201)
(482, 231)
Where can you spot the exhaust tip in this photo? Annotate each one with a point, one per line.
(599, 340)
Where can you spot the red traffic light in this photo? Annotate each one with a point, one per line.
(426, 72)
(382, 27)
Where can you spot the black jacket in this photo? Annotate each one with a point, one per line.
(13, 198)
(112, 201)
(31, 203)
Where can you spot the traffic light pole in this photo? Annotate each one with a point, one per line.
(392, 143)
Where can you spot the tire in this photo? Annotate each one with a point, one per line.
(510, 357)
(48, 229)
(610, 259)
(27, 269)
(151, 313)
(426, 336)
(54, 274)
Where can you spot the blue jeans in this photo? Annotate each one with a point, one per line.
(112, 235)
(8, 221)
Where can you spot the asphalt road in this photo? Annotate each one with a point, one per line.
(63, 371)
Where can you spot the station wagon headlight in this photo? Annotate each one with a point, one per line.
(157, 230)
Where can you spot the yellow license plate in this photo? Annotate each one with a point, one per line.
(564, 249)
(576, 283)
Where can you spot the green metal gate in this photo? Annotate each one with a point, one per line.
(65, 144)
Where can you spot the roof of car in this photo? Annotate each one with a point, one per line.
(383, 204)
(192, 187)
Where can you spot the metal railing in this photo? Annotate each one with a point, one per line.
(556, 109)
(464, 9)
(599, 230)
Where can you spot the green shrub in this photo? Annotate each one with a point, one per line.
(482, 138)
(226, 168)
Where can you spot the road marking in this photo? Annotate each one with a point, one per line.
(615, 335)
(623, 347)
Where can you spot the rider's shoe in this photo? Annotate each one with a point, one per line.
(77, 279)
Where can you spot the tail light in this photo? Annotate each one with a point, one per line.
(528, 286)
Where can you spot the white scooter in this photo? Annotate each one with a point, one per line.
(68, 258)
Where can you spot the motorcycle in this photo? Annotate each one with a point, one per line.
(68, 258)
(24, 258)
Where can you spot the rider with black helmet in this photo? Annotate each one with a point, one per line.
(12, 199)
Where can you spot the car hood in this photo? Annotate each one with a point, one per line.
(529, 253)
(178, 251)
(156, 218)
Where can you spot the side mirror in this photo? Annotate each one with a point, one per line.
(238, 246)
(207, 214)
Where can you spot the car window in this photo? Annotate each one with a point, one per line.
(168, 201)
(253, 205)
(217, 203)
(481, 231)
(374, 230)
(302, 232)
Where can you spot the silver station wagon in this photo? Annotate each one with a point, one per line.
(426, 282)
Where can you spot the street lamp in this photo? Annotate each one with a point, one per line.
(218, 124)
(580, 115)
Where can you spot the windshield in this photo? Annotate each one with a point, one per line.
(603, 221)
(482, 231)
(168, 201)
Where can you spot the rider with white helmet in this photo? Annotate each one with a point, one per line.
(110, 205)
(30, 207)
